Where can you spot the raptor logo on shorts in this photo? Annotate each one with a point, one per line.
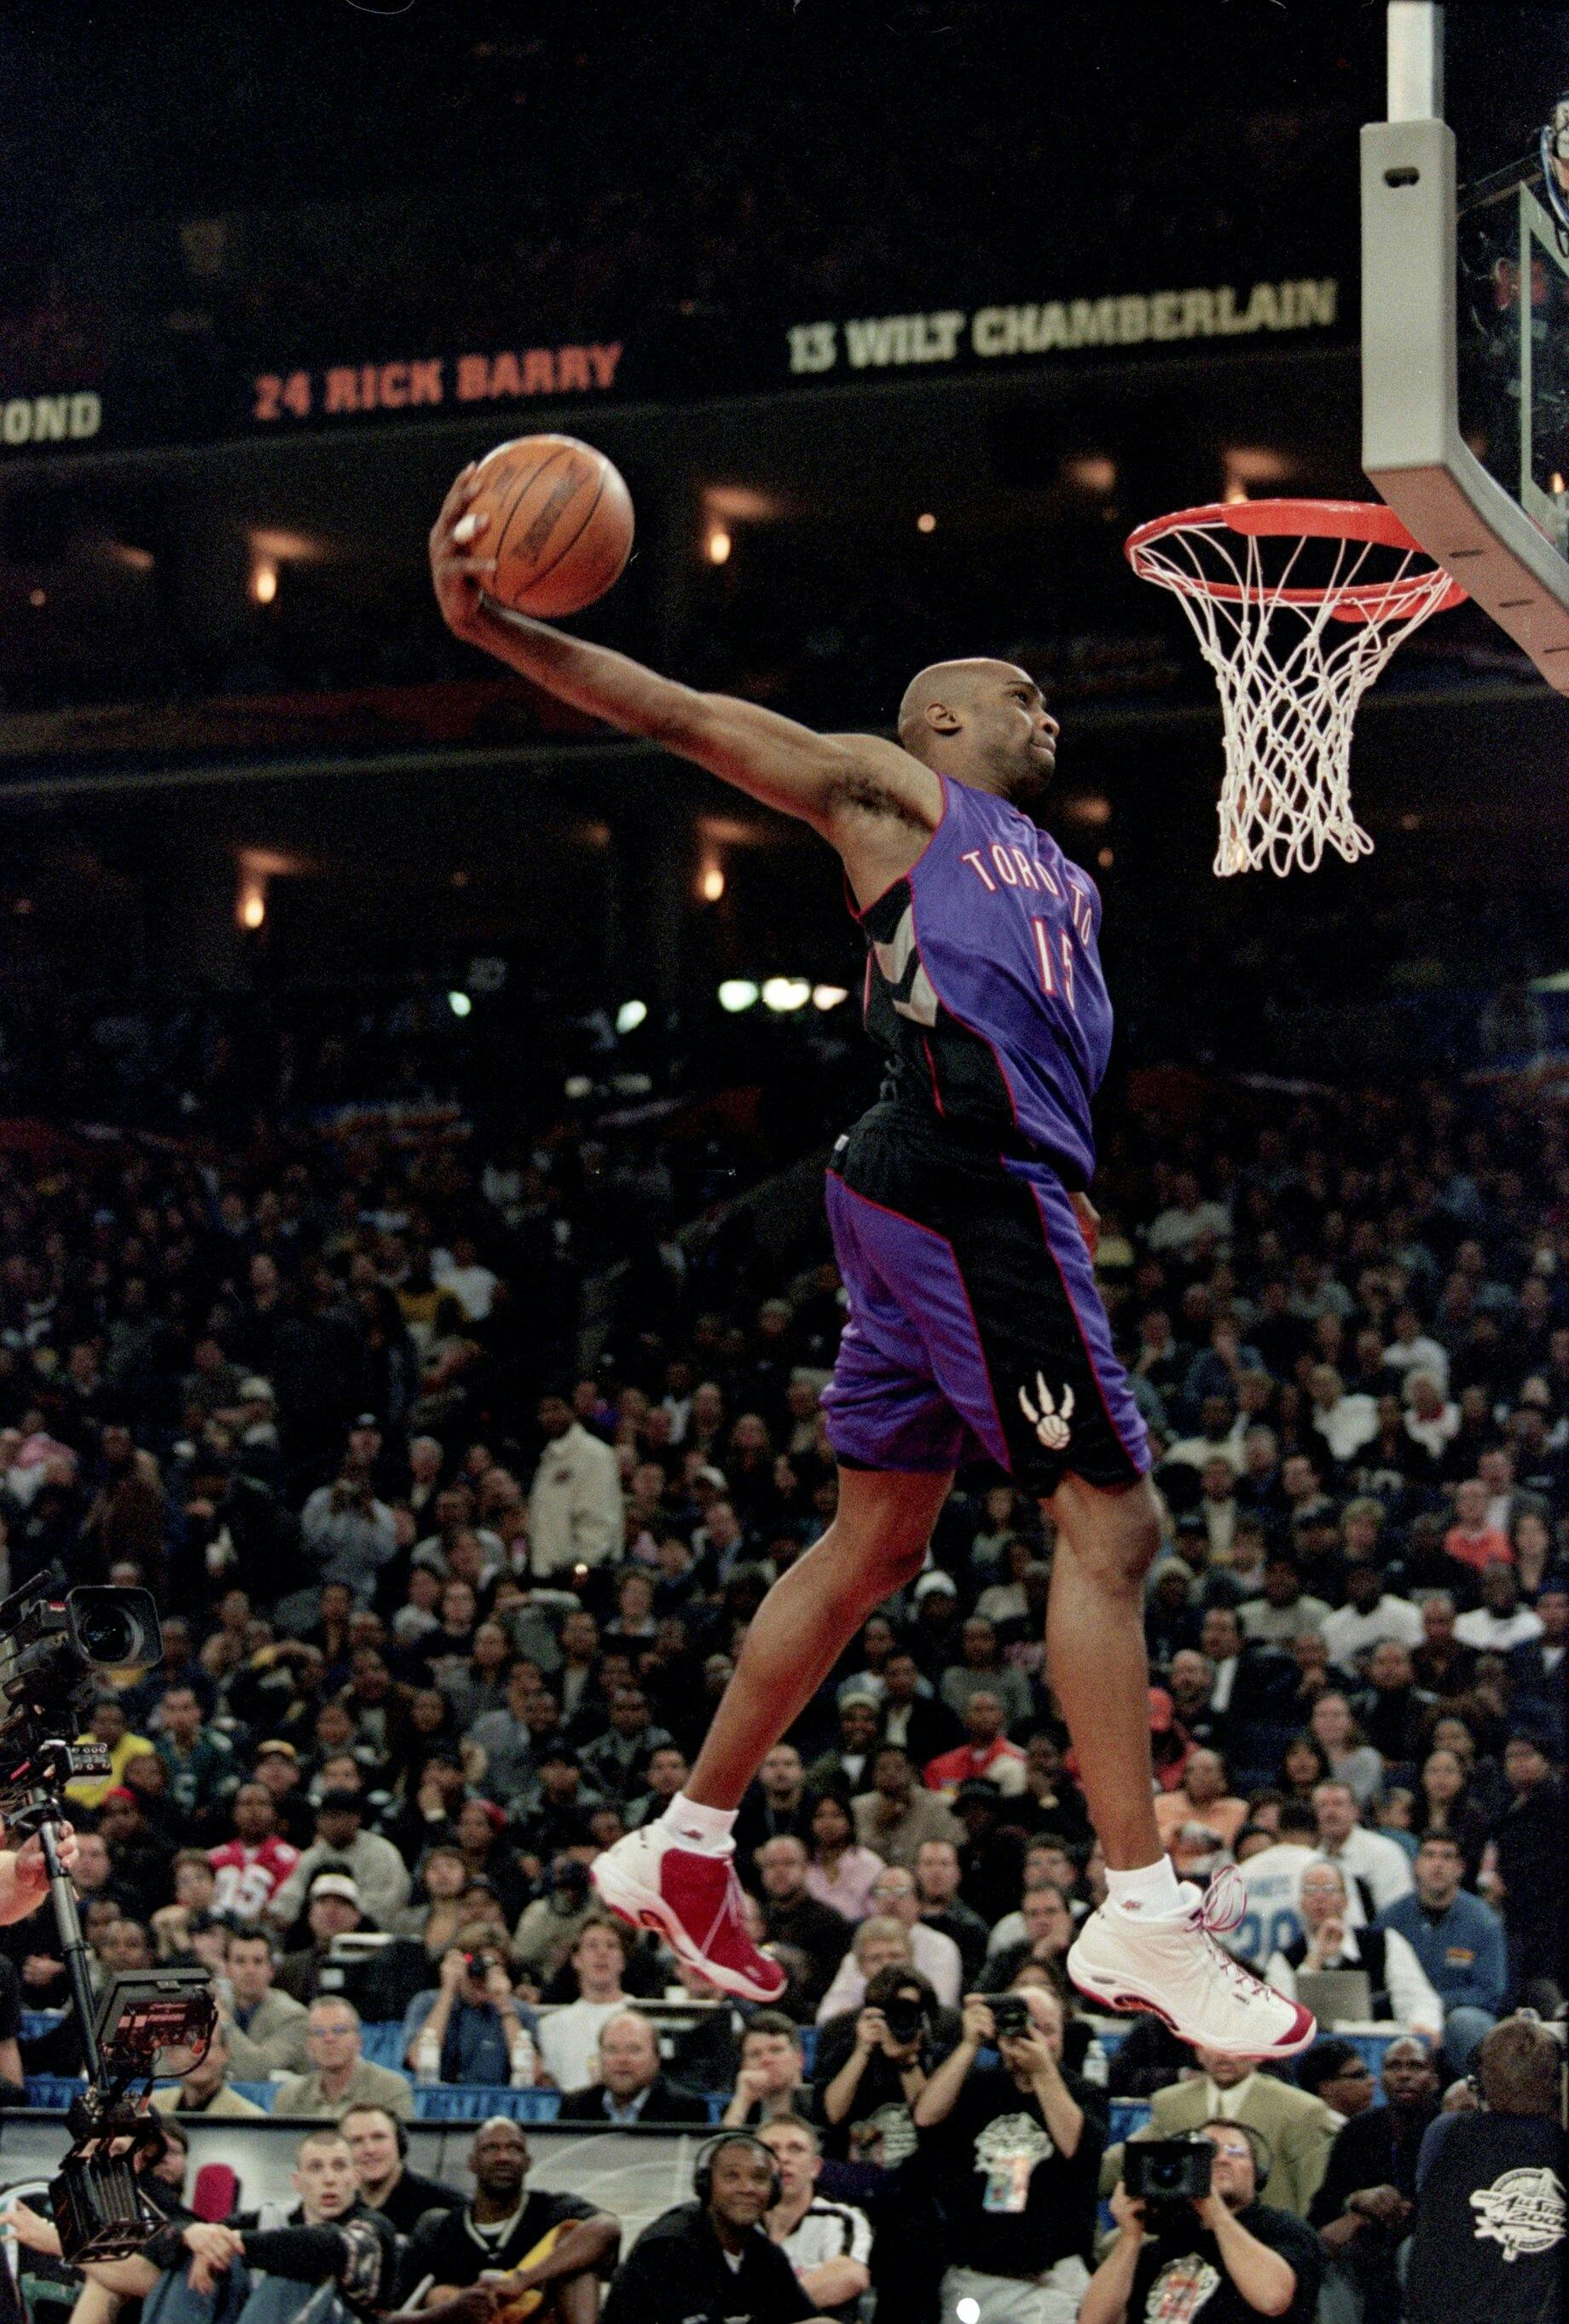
(1049, 1418)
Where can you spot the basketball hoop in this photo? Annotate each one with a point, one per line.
(1296, 606)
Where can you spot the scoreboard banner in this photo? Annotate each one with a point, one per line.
(139, 392)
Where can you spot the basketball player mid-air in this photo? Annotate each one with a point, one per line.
(964, 1238)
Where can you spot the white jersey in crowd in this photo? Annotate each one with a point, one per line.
(1273, 1880)
(827, 2231)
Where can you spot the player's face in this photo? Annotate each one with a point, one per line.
(1016, 732)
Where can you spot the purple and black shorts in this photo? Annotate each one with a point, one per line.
(975, 1327)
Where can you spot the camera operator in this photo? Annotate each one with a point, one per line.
(1224, 2252)
(1488, 2245)
(1020, 2147)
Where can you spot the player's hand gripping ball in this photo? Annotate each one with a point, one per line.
(551, 520)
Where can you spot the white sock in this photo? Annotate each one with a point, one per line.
(1151, 1892)
(706, 1830)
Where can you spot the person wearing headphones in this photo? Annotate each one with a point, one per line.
(379, 2144)
(1225, 2253)
(1300, 2129)
(712, 2261)
(551, 2243)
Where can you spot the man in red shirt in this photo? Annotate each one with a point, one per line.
(986, 1752)
(256, 1861)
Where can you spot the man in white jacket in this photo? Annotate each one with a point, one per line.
(575, 1505)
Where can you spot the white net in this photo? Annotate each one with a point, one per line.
(1295, 627)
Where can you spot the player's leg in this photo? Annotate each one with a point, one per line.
(876, 1543)
(1106, 1540)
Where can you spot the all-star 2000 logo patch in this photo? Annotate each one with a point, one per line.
(1522, 2211)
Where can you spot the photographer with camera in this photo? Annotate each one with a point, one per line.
(1192, 2233)
(472, 2028)
(1018, 2149)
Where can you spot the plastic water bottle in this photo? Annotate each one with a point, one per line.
(427, 2061)
(525, 2060)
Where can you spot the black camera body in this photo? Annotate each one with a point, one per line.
(1010, 2016)
(1168, 2169)
(905, 2017)
(51, 1641)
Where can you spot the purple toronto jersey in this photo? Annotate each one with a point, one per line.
(983, 984)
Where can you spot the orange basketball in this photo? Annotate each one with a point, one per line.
(560, 525)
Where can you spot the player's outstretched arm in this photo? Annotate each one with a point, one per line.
(787, 766)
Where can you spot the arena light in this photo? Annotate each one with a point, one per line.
(578, 1087)
(263, 580)
(38, 597)
(631, 1015)
(828, 996)
(736, 993)
(711, 886)
(968, 2311)
(459, 1003)
(926, 521)
(251, 898)
(785, 994)
(718, 545)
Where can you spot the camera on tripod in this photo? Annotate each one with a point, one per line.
(150, 2023)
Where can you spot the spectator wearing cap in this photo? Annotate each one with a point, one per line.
(332, 1910)
(896, 1813)
(934, 1637)
(348, 1534)
(339, 2076)
(574, 1501)
(379, 1874)
(277, 1768)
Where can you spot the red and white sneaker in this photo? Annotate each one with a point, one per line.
(694, 1904)
(1174, 1968)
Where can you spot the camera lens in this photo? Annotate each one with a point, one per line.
(115, 1629)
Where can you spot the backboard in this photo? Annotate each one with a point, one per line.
(1465, 306)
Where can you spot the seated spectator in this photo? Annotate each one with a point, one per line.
(1031, 2119)
(776, 1805)
(982, 1667)
(1048, 1932)
(1254, 2258)
(896, 1898)
(1338, 2073)
(895, 1814)
(555, 2245)
(841, 1873)
(617, 1762)
(1370, 1860)
(1530, 1881)
(1370, 1613)
(265, 2029)
(1471, 1540)
(379, 1874)
(1368, 2187)
(1487, 2239)
(338, 2076)
(937, 1880)
(205, 2089)
(792, 1916)
(769, 2080)
(986, 1752)
(845, 1767)
(1500, 1623)
(1352, 1759)
(1394, 1712)
(828, 2244)
(332, 1910)
(569, 2038)
(1300, 2129)
(250, 1869)
(1459, 1942)
(379, 2144)
(433, 1911)
(631, 2086)
(912, 1716)
(713, 2257)
(665, 1774)
(1441, 1664)
(1203, 1797)
(507, 1735)
(1539, 1668)
(472, 2028)
(1284, 1612)
(551, 1926)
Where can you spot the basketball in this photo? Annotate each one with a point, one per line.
(560, 525)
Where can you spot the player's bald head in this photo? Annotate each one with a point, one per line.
(942, 696)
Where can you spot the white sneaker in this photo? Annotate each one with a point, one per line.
(1173, 1967)
(694, 1901)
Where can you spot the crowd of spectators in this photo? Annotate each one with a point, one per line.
(438, 1628)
